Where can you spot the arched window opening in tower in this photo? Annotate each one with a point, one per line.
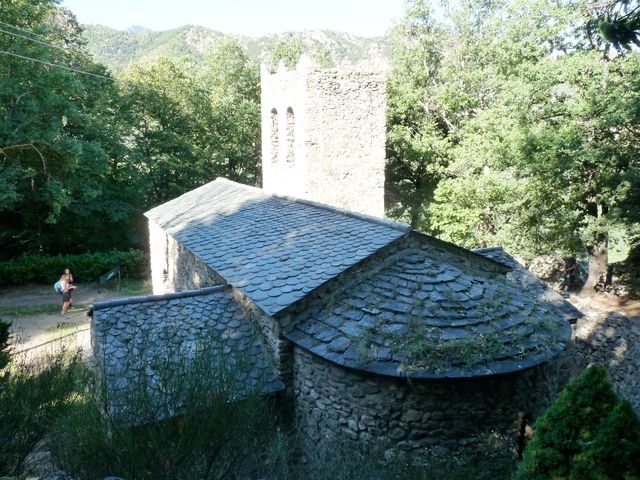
(290, 136)
(274, 135)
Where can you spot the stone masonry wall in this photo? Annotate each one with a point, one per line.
(444, 416)
(330, 136)
(174, 268)
(613, 341)
(346, 139)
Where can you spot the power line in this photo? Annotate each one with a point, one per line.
(53, 64)
(33, 40)
(22, 30)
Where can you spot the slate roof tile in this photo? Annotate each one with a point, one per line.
(249, 237)
(530, 282)
(130, 336)
(449, 323)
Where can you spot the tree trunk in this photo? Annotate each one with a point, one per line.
(598, 264)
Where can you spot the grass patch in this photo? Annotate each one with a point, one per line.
(424, 348)
(340, 459)
(20, 311)
(26, 310)
(32, 396)
(131, 287)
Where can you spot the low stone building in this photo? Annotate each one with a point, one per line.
(369, 330)
(150, 346)
(373, 331)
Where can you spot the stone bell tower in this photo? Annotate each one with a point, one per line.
(323, 136)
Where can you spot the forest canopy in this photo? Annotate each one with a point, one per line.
(84, 153)
(509, 122)
(514, 123)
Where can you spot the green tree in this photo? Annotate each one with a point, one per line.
(615, 451)
(54, 164)
(586, 433)
(322, 57)
(418, 128)
(232, 114)
(564, 140)
(507, 125)
(159, 118)
(186, 126)
(287, 51)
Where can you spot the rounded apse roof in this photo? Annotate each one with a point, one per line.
(420, 317)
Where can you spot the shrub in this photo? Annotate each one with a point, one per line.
(4, 343)
(615, 451)
(367, 462)
(32, 395)
(179, 419)
(586, 433)
(85, 267)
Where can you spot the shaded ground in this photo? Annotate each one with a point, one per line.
(34, 312)
(606, 303)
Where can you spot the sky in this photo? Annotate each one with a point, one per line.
(243, 17)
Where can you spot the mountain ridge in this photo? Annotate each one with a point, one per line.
(118, 48)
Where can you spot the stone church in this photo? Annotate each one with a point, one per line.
(361, 327)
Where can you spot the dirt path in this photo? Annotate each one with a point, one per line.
(605, 303)
(34, 313)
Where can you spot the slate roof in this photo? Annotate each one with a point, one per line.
(274, 249)
(137, 340)
(530, 282)
(421, 317)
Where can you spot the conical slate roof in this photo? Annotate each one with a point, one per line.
(530, 282)
(421, 317)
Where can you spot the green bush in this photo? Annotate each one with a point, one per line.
(86, 267)
(4, 343)
(615, 451)
(180, 419)
(32, 395)
(367, 462)
(587, 433)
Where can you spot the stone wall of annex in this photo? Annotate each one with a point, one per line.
(323, 136)
(418, 416)
(173, 267)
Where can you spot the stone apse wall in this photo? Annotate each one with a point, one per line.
(323, 136)
(418, 416)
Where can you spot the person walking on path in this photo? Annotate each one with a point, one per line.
(66, 293)
(70, 283)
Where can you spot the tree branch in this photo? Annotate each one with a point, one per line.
(27, 146)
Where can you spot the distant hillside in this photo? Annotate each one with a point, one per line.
(117, 49)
